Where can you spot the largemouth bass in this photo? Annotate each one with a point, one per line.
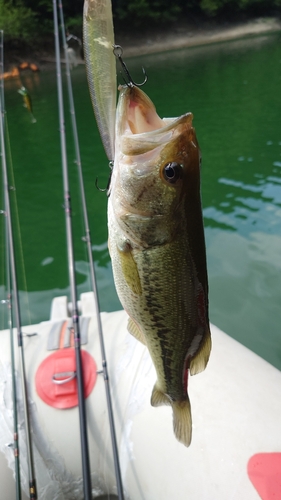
(157, 247)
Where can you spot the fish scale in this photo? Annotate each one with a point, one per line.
(157, 248)
(155, 316)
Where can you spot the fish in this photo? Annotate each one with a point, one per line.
(27, 102)
(157, 246)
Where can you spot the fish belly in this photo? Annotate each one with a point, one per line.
(157, 288)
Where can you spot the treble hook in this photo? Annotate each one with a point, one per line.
(118, 52)
(102, 190)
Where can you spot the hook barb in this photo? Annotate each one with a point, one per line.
(107, 189)
(102, 190)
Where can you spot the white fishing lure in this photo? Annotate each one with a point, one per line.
(100, 61)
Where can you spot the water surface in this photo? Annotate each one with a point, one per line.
(233, 90)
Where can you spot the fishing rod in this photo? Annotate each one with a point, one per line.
(71, 268)
(8, 301)
(87, 239)
(16, 307)
(13, 371)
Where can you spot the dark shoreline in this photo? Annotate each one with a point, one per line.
(184, 35)
(190, 36)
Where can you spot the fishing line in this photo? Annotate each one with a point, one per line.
(17, 230)
(2, 211)
(8, 302)
(11, 171)
(15, 302)
(20, 253)
(13, 370)
(87, 239)
(2, 276)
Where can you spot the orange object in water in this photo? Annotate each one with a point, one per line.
(10, 74)
(264, 471)
(23, 65)
(14, 72)
(5, 75)
(33, 67)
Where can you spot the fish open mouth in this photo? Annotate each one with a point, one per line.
(139, 129)
(141, 113)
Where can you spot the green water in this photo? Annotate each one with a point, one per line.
(233, 90)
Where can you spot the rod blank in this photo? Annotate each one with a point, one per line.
(16, 306)
(71, 268)
(91, 265)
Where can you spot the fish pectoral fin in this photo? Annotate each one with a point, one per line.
(182, 421)
(158, 398)
(135, 330)
(130, 270)
(199, 362)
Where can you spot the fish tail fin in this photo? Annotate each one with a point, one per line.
(199, 362)
(181, 414)
(182, 421)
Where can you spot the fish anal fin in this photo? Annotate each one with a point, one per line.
(158, 398)
(182, 421)
(200, 360)
(130, 269)
(135, 330)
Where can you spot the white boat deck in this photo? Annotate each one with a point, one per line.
(236, 408)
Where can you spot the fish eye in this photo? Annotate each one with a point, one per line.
(172, 172)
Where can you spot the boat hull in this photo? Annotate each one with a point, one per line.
(236, 409)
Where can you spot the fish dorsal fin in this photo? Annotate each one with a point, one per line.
(134, 330)
(199, 362)
(158, 398)
(130, 270)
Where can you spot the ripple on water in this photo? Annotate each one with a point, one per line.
(47, 261)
